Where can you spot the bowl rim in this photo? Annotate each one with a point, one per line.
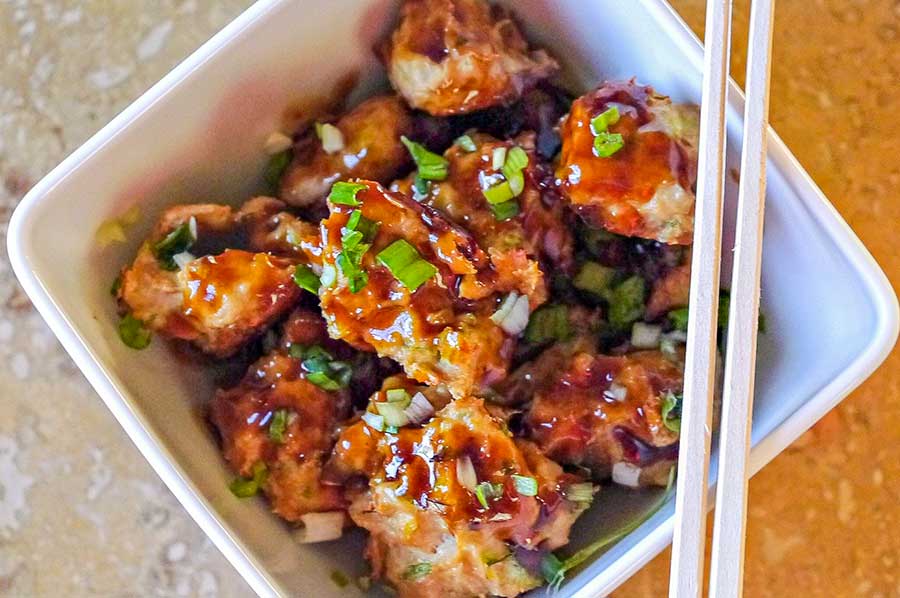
(105, 382)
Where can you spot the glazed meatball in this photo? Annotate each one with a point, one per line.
(535, 222)
(217, 301)
(401, 279)
(450, 504)
(279, 417)
(629, 162)
(606, 412)
(455, 56)
(368, 146)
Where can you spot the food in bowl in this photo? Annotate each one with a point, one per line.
(462, 314)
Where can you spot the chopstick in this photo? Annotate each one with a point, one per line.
(727, 567)
(688, 549)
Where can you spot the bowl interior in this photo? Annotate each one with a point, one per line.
(201, 140)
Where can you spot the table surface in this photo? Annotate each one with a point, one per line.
(82, 514)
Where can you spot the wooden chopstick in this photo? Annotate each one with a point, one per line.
(685, 575)
(727, 568)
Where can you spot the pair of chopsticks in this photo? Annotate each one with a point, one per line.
(688, 552)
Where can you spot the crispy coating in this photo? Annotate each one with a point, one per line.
(430, 534)
(455, 56)
(539, 228)
(243, 415)
(671, 291)
(217, 301)
(442, 332)
(646, 188)
(578, 417)
(372, 150)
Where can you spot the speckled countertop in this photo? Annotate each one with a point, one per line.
(82, 514)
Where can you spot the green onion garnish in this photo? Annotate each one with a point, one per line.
(177, 241)
(466, 143)
(420, 187)
(432, 167)
(321, 368)
(671, 411)
(247, 487)
(417, 571)
(348, 262)
(525, 485)
(405, 263)
(498, 157)
(516, 161)
(278, 425)
(552, 569)
(344, 193)
(593, 278)
(276, 166)
(133, 333)
(358, 222)
(580, 492)
(398, 395)
(626, 302)
(374, 421)
(306, 279)
(506, 210)
(487, 490)
(393, 414)
(679, 318)
(549, 323)
(601, 122)
(499, 193)
(606, 144)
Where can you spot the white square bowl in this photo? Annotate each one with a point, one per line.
(197, 136)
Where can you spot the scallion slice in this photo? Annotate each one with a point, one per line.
(593, 278)
(679, 318)
(549, 323)
(278, 425)
(466, 143)
(498, 157)
(133, 333)
(177, 241)
(392, 413)
(580, 492)
(359, 223)
(344, 193)
(671, 411)
(601, 122)
(276, 166)
(626, 302)
(321, 368)
(331, 137)
(499, 193)
(525, 485)
(485, 491)
(417, 571)
(405, 263)
(516, 161)
(432, 166)
(306, 279)
(506, 210)
(247, 487)
(398, 395)
(374, 421)
(607, 144)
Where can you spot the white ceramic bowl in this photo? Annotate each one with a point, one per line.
(198, 136)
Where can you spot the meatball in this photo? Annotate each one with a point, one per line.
(449, 504)
(401, 279)
(535, 224)
(455, 56)
(629, 162)
(278, 417)
(603, 412)
(218, 301)
(369, 147)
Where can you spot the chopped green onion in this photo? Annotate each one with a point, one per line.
(374, 421)
(466, 143)
(405, 263)
(116, 286)
(339, 579)
(329, 275)
(487, 490)
(594, 278)
(581, 492)
(344, 193)
(549, 323)
(420, 187)
(679, 318)
(552, 569)
(278, 426)
(499, 193)
(133, 333)
(247, 487)
(525, 485)
(432, 167)
(671, 411)
(393, 414)
(516, 161)
(331, 137)
(596, 240)
(321, 368)
(498, 157)
(306, 279)
(626, 302)
(177, 241)
(276, 166)
(506, 210)
(398, 395)
(358, 222)
(601, 122)
(349, 262)
(417, 571)
(606, 144)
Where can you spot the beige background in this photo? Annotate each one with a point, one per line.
(82, 514)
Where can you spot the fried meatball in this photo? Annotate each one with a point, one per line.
(277, 417)
(538, 226)
(598, 411)
(645, 188)
(455, 56)
(218, 301)
(439, 329)
(448, 504)
(371, 149)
